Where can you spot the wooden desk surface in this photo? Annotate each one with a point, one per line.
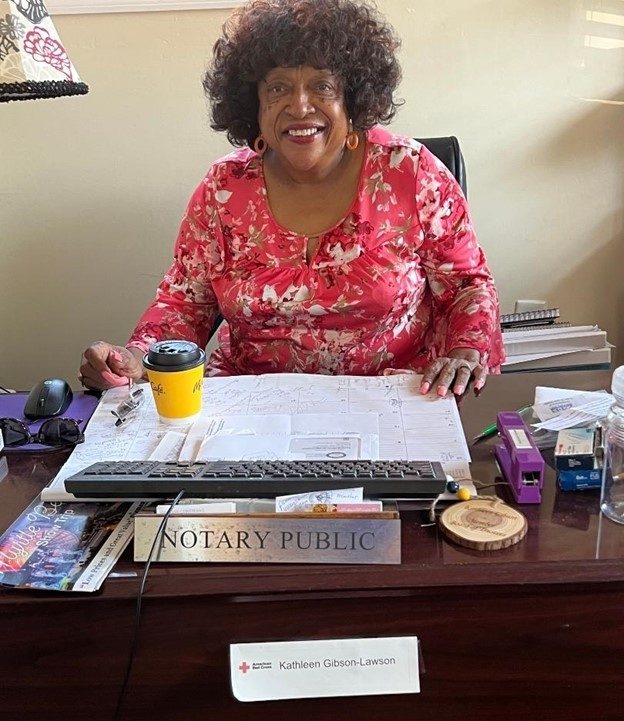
(536, 626)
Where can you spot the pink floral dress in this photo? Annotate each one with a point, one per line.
(399, 281)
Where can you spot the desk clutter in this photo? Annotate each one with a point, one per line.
(285, 417)
(324, 494)
(536, 340)
(65, 546)
(579, 456)
(78, 409)
(320, 508)
(570, 423)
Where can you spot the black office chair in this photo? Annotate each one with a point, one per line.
(447, 150)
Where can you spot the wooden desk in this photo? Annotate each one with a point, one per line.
(533, 630)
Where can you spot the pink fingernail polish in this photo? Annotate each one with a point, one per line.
(424, 387)
(114, 379)
(459, 389)
(442, 391)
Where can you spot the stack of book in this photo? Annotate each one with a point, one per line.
(540, 343)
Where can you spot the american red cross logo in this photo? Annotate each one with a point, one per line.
(244, 667)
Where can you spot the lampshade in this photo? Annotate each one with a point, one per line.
(33, 61)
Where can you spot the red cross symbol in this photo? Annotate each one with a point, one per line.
(244, 667)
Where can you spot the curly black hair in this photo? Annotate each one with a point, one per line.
(347, 37)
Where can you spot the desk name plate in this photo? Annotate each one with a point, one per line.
(271, 538)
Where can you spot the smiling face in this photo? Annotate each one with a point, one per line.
(303, 118)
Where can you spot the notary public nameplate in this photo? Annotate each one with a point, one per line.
(269, 539)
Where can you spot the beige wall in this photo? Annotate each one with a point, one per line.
(92, 188)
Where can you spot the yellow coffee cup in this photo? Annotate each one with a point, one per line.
(175, 369)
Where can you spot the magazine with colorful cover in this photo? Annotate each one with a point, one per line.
(58, 546)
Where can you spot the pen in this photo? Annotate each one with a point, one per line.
(492, 429)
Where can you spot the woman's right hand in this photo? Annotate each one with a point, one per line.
(105, 365)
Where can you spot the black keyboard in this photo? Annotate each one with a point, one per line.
(249, 479)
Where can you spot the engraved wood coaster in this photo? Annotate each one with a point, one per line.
(483, 524)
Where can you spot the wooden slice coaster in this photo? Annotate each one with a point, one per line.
(484, 524)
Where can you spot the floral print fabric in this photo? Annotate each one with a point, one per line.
(399, 281)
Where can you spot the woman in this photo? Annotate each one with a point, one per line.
(328, 244)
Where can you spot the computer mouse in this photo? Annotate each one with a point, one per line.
(48, 398)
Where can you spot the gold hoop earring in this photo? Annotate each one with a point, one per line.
(260, 145)
(353, 140)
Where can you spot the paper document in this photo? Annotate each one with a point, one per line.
(547, 331)
(196, 509)
(579, 416)
(274, 447)
(169, 447)
(558, 408)
(307, 436)
(551, 408)
(402, 424)
(525, 357)
(545, 394)
(303, 501)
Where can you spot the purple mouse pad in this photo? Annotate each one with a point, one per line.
(12, 406)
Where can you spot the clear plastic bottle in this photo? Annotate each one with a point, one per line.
(612, 499)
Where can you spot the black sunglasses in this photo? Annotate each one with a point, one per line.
(55, 432)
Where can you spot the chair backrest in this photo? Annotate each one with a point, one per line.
(448, 151)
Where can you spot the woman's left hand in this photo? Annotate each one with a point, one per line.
(454, 372)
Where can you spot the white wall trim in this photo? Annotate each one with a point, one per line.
(71, 7)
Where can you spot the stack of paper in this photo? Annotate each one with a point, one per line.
(561, 347)
(283, 416)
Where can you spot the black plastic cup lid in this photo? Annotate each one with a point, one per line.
(173, 355)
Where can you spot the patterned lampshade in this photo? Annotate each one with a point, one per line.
(33, 61)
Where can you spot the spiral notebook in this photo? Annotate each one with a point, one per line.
(546, 316)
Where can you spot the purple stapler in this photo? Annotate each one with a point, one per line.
(519, 458)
